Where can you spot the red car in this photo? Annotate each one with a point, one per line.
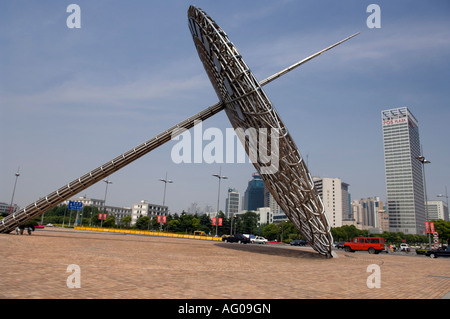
(373, 245)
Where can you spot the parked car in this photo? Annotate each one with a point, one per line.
(373, 245)
(237, 238)
(298, 242)
(404, 247)
(258, 240)
(435, 253)
(339, 245)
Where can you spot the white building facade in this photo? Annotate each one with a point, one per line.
(330, 191)
(144, 208)
(437, 209)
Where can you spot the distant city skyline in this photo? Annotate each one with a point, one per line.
(72, 99)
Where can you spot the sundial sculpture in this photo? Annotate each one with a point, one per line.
(247, 106)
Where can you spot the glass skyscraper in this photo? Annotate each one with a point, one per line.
(404, 178)
(254, 195)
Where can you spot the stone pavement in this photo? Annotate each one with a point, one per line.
(137, 266)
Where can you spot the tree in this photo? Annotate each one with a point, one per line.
(443, 229)
(126, 221)
(249, 223)
(110, 221)
(270, 231)
(173, 225)
(291, 231)
(143, 222)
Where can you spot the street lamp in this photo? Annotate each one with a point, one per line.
(104, 202)
(14, 190)
(220, 177)
(165, 180)
(425, 161)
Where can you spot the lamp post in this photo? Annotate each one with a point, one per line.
(425, 161)
(104, 202)
(220, 177)
(14, 190)
(165, 180)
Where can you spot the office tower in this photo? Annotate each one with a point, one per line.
(333, 194)
(369, 213)
(232, 202)
(370, 208)
(437, 209)
(346, 202)
(404, 178)
(269, 201)
(254, 195)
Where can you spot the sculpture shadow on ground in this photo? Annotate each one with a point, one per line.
(273, 250)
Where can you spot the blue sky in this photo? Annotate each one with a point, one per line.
(73, 99)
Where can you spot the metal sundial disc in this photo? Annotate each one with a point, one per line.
(261, 131)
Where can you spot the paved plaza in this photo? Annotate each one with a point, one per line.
(115, 265)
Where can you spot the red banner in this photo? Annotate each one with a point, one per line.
(214, 221)
(102, 216)
(432, 227)
(427, 227)
(164, 219)
(220, 221)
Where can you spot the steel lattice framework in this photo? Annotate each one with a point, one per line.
(249, 110)
(247, 106)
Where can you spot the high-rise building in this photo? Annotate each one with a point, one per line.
(334, 194)
(254, 195)
(370, 207)
(404, 178)
(269, 201)
(437, 209)
(346, 202)
(232, 203)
